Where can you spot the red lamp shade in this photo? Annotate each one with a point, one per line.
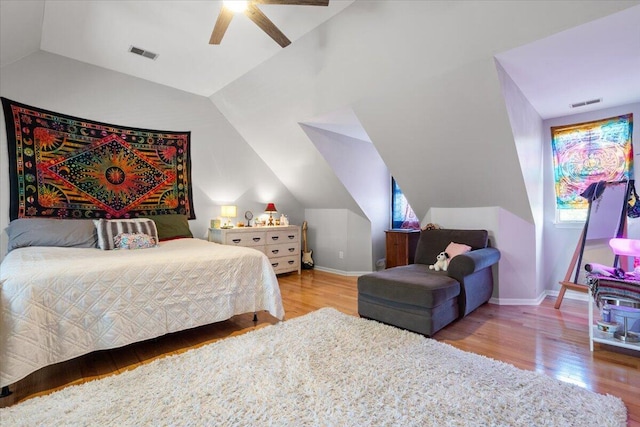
(270, 208)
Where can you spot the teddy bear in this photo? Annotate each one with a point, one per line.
(430, 226)
(442, 262)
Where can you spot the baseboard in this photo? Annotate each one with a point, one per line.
(581, 296)
(518, 301)
(341, 272)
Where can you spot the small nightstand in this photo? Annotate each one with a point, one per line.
(401, 246)
(280, 243)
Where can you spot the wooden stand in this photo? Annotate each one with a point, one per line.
(401, 246)
(567, 283)
(608, 209)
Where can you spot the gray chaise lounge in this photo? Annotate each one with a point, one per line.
(416, 298)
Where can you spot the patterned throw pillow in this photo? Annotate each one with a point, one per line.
(108, 229)
(134, 241)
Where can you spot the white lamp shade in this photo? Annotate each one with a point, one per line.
(228, 211)
(627, 247)
(236, 5)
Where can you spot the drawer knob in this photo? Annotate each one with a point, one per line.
(275, 237)
(291, 262)
(256, 239)
(275, 264)
(292, 249)
(275, 251)
(291, 236)
(236, 241)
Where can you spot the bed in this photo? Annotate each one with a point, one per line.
(60, 302)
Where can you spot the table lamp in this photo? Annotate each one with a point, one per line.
(626, 247)
(270, 209)
(228, 212)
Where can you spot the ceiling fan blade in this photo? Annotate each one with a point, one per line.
(267, 26)
(296, 2)
(224, 18)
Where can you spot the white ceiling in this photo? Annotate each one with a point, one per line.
(600, 59)
(100, 32)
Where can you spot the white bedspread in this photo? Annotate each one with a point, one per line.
(60, 303)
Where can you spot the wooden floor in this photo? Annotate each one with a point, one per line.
(538, 338)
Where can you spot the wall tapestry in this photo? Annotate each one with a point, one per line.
(583, 153)
(68, 167)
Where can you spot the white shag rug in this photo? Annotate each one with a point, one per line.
(323, 369)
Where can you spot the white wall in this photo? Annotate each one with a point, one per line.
(334, 231)
(560, 240)
(526, 126)
(359, 255)
(515, 274)
(363, 173)
(224, 168)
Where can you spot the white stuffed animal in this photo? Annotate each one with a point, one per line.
(442, 262)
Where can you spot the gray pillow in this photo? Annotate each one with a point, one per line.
(70, 233)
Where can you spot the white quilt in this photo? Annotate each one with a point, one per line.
(60, 303)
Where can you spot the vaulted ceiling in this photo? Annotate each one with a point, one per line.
(101, 32)
(597, 60)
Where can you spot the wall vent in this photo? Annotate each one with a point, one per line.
(143, 52)
(583, 103)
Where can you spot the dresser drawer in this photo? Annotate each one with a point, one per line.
(283, 264)
(280, 244)
(284, 249)
(282, 236)
(245, 239)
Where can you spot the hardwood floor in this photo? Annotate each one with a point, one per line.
(538, 338)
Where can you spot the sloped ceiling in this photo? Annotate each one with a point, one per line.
(421, 78)
(598, 59)
(100, 32)
(20, 29)
(351, 59)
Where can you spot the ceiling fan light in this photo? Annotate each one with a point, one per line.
(236, 5)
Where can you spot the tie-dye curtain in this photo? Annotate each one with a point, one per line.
(589, 152)
(402, 215)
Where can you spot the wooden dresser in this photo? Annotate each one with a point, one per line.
(280, 243)
(401, 246)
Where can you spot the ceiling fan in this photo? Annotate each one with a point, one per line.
(250, 9)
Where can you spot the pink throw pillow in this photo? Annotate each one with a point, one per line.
(457, 249)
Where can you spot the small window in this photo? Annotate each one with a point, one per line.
(402, 216)
(585, 153)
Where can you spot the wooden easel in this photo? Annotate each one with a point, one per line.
(566, 283)
(576, 259)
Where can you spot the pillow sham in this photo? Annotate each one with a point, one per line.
(68, 233)
(454, 249)
(172, 226)
(134, 241)
(108, 229)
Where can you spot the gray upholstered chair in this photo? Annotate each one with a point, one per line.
(422, 300)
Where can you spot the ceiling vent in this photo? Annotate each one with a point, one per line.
(143, 52)
(583, 103)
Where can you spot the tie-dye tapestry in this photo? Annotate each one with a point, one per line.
(590, 152)
(67, 167)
